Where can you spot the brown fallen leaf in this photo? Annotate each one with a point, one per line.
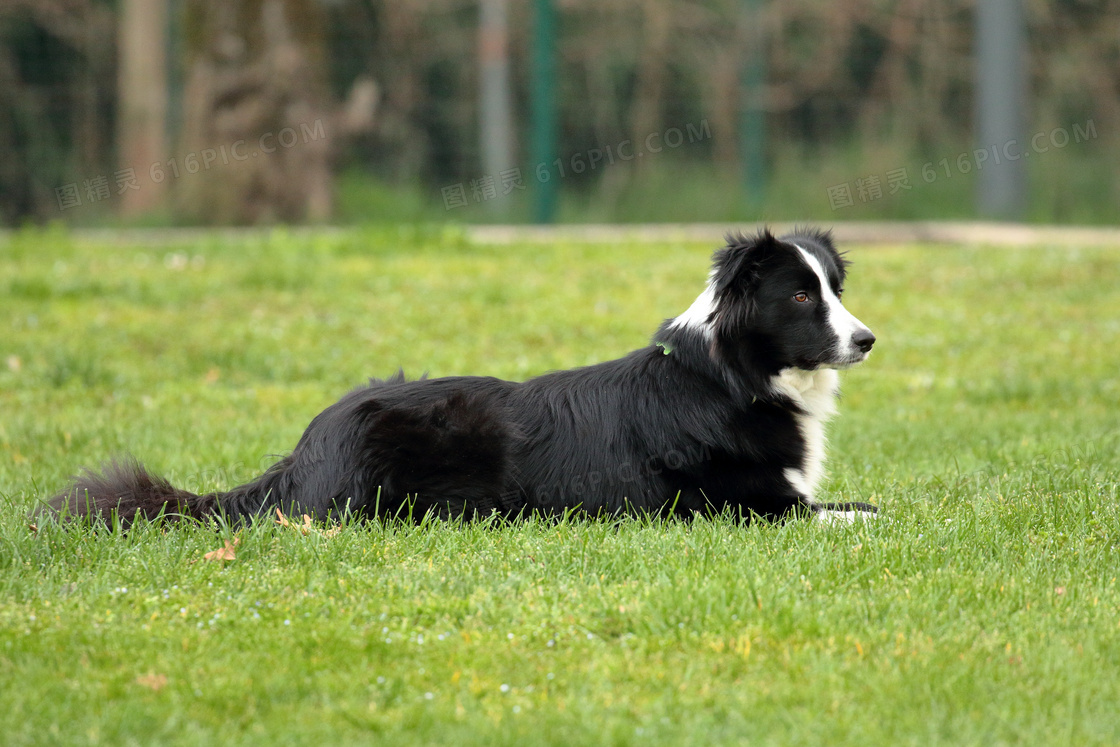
(308, 525)
(225, 552)
(152, 681)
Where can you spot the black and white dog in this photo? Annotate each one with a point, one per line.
(725, 410)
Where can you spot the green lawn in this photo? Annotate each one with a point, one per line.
(981, 609)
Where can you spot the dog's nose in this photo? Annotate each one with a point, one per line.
(863, 340)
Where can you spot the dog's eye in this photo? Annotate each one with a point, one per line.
(801, 297)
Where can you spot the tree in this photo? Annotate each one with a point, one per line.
(256, 114)
(142, 98)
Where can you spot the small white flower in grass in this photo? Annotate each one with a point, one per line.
(551, 643)
(287, 622)
(504, 688)
(428, 696)
(550, 676)
(509, 636)
(517, 709)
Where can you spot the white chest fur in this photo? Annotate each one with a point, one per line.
(815, 393)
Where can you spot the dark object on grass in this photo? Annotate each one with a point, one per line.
(724, 410)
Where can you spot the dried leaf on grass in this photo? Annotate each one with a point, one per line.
(152, 681)
(225, 552)
(308, 526)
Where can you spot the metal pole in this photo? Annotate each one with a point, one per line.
(752, 113)
(1000, 105)
(543, 106)
(495, 118)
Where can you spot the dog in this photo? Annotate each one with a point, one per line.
(724, 411)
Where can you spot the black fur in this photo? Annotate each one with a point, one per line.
(691, 423)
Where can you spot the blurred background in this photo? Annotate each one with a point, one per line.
(191, 112)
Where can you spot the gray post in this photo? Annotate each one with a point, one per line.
(543, 110)
(1000, 109)
(494, 117)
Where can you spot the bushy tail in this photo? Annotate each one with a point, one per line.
(124, 489)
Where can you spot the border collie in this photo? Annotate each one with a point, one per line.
(724, 411)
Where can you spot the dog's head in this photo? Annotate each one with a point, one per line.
(775, 302)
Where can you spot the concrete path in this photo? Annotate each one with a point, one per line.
(936, 232)
(846, 232)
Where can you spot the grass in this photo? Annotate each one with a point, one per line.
(982, 609)
(1074, 184)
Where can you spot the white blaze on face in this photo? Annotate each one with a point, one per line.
(843, 324)
(698, 315)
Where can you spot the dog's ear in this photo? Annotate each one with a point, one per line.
(736, 267)
(802, 235)
(736, 271)
(820, 235)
